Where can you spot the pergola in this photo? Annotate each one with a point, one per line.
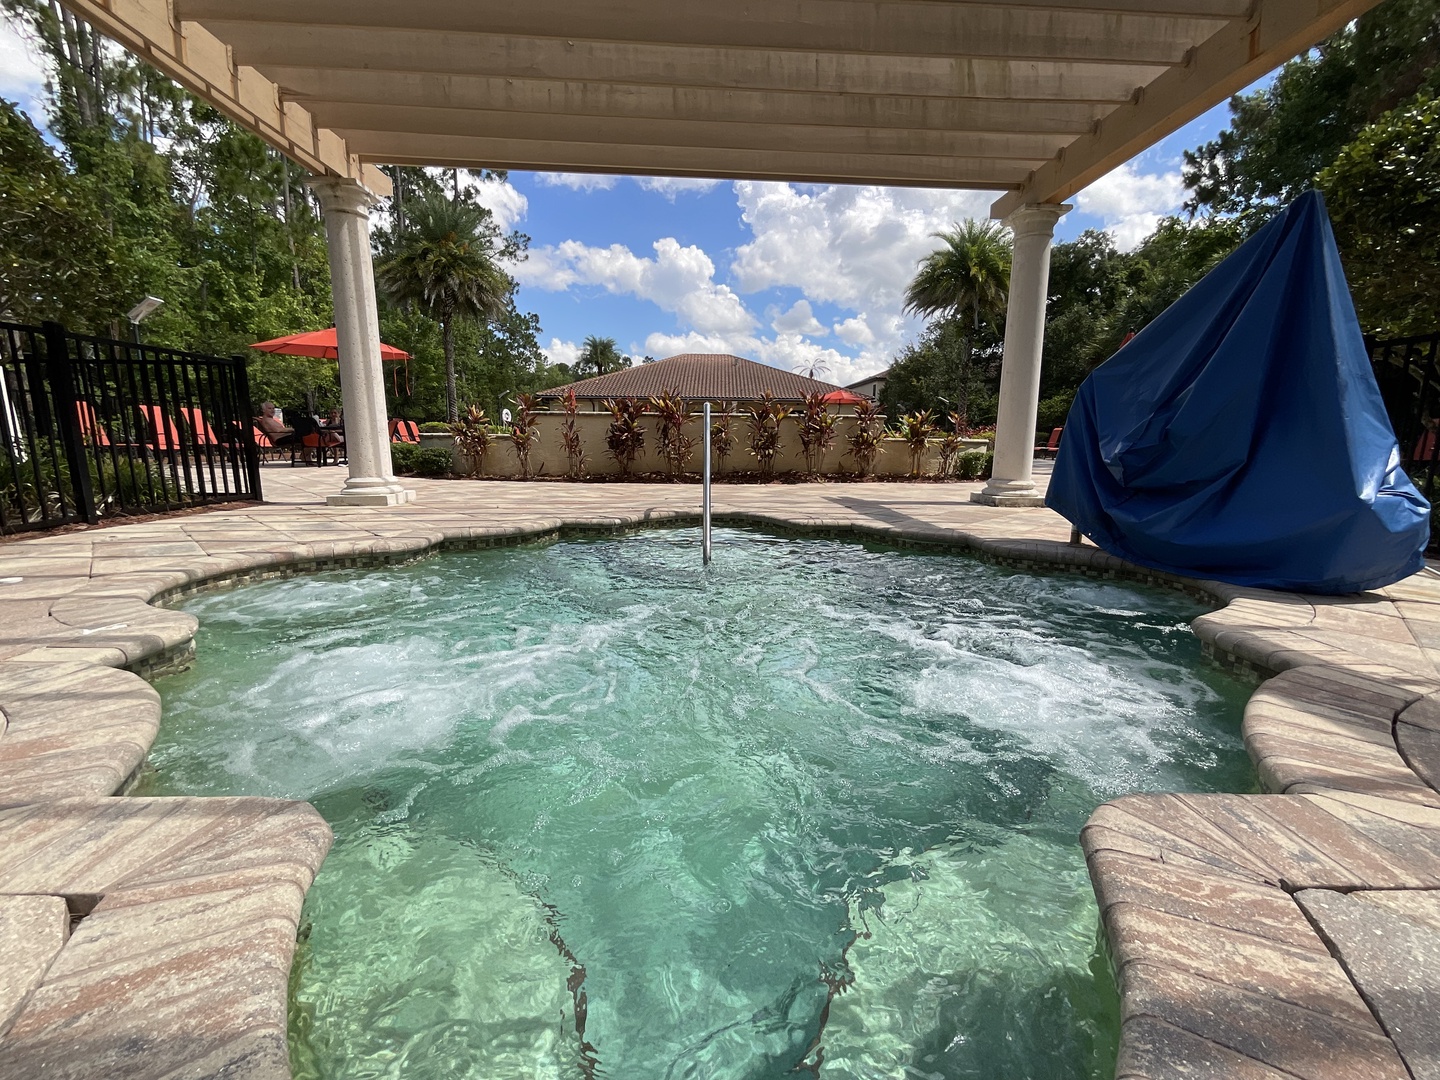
(1036, 98)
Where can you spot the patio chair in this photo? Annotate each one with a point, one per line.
(308, 435)
(164, 436)
(92, 432)
(200, 429)
(406, 431)
(1051, 448)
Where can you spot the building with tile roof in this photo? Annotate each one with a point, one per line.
(699, 377)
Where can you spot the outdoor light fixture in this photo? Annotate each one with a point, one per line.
(141, 311)
(145, 308)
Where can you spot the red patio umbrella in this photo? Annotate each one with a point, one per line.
(324, 345)
(320, 343)
(843, 397)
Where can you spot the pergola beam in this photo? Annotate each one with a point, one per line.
(900, 28)
(202, 63)
(263, 45)
(409, 148)
(884, 142)
(1224, 65)
(318, 89)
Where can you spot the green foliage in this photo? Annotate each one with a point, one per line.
(409, 459)
(523, 431)
(570, 437)
(1053, 410)
(764, 419)
(1351, 116)
(435, 427)
(970, 464)
(916, 429)
(445, 267)
(600, 356)
(57, 257)
(924, 374)
(674, 413)
(967, 280)
(1280, 137)
(817, 431)
(473, 437)
(625, 437)
(722, 439)
(1383, 193)
(866, 438)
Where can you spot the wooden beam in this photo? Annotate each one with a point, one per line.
(203, 64)
(884, 142)
(316, 88)
(1224, 65)
(894, 27)
(405, 148)
(270, 44)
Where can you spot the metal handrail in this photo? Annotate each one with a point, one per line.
(705, 496)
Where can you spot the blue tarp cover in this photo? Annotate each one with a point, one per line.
(1241, 436)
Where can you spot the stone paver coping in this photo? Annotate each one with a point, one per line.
(153, 937)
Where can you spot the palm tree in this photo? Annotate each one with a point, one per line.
(446, 265)
(969, 275)
(600, 355)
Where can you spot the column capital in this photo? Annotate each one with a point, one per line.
(1037, 218)
(342, 195)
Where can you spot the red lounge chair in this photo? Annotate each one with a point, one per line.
(406, 431)
(1051, 447)
(199, 427)
(164, 435)
(91, 431)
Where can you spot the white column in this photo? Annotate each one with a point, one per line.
(357, 323)
(1011, 482)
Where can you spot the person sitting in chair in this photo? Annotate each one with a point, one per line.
(269, 423)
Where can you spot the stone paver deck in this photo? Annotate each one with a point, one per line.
(1291, 934)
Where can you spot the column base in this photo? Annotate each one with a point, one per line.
(1006, 500)
(371, 495)
(1008, 493)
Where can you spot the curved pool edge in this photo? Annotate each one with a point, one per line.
(1219, 966)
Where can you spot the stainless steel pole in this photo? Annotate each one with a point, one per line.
(705, 496)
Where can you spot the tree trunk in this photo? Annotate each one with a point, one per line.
(452, 406)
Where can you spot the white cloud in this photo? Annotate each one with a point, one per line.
(679, 279)
(22, 69)
(670, 186)
(799, 320)
(856, 247)
(561, 352)
(508, 205)
(578, 181)
(1131, 203)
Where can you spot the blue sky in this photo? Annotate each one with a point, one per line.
(795, 275)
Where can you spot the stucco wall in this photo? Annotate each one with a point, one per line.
(547, 457)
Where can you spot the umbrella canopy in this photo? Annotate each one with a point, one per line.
(320, 343)
(843, 397)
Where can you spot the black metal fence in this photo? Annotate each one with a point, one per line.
(1408, 371)
(93, 427)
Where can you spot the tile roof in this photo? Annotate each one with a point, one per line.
(698, 377)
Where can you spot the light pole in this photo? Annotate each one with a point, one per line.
(140, 312)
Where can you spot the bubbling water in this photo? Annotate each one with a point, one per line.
(600, 813)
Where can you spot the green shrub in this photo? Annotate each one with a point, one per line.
(402, 458)
(436, 427)
(1053, 411)
(987, 466)
(970, 464)
(432, 461)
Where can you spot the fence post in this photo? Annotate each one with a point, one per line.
(243, 405)
(67, 418)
